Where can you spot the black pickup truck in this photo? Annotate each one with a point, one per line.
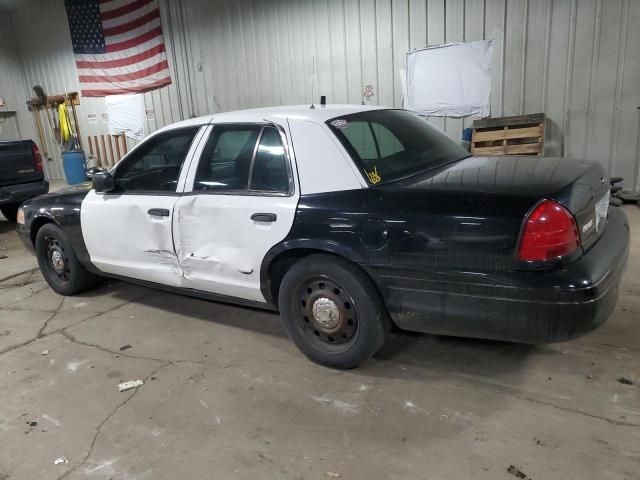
(21, 175)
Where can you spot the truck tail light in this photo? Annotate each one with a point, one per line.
(37, 159)
(549, 232)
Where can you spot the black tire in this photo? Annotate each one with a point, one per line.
(59, 264)
(10, 212)
(332, 311)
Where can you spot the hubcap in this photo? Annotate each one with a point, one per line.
(57, 261)
(328, 313)
(325, 311)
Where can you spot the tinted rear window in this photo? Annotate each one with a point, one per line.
(389, 145)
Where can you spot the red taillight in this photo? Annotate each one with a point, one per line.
(549, 232)
(37, 159)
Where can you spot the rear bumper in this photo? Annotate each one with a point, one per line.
(518, 306)
(16, 194)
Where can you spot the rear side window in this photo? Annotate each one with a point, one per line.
(270, 172)
(243, 158)
(388, 145)
(372, 141)
(155, 166)
(360, 136)
(225, 162)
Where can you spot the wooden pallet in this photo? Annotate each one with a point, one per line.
(518, 135)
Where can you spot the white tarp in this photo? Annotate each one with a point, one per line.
(126, 115)
(452, 80)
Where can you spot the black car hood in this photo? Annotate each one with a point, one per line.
(72, 194)
(513, 176)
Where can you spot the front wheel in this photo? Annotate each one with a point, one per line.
(58, 262)
(332, 311)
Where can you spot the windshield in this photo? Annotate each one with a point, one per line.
(389, 145)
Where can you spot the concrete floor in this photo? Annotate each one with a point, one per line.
(226, 395)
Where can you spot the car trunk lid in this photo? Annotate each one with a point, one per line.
(578, 185)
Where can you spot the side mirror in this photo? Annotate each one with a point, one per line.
(93, 171)
(103, 182)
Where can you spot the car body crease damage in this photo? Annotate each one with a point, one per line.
(195, 253)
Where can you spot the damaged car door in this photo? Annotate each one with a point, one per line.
(127, 231)
(240, 202)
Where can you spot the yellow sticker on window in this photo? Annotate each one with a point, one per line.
(373, 176)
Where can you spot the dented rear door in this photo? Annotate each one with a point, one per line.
(239, 201)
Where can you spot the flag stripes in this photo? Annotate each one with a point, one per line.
(118, 46)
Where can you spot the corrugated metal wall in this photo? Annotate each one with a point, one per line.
(576, 60)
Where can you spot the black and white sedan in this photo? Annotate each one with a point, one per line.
(346, 219)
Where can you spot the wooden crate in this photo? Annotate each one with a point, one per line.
(518, 135)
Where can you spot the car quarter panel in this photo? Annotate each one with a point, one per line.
(392, 231)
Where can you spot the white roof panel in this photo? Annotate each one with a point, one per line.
(299, 112)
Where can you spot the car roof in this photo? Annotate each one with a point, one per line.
(319, 114)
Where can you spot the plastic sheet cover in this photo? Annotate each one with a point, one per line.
(126, 115)
(452, 80)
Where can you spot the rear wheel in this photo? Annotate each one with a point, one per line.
(332, 311)
(10, 212)
(59, 264)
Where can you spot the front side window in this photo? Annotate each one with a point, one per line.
(155, 165)
(243, 158)
(389, 145)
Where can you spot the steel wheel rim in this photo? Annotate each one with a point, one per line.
(56, 259)
(328, 315)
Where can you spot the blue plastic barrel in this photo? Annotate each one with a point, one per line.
(74, 164)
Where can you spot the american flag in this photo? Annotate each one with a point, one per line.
(118, 46)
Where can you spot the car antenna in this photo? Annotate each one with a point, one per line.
(313, 76)
(323, 101)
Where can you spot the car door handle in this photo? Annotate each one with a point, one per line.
(264, 217)
(158, 212)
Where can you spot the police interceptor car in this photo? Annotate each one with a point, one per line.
(347, 220)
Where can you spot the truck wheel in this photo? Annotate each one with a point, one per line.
(59, 264)
(10, 212)
(332, 311)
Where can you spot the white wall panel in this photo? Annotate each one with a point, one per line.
(576, 60)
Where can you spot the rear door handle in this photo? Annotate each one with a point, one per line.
(158, 212)
(264, 217)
